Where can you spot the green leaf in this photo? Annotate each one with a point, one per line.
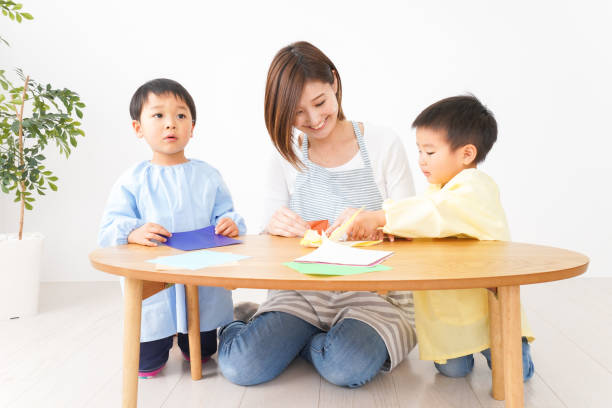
(17, 7)
(28, 206)
(79, 113)
(53, 186)
(15, 127)
(27, 16)
(18, 17)
(52, 178)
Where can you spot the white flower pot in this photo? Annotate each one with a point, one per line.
(20, 265)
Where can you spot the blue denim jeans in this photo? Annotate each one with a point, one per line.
(462, 366)
(350, 354)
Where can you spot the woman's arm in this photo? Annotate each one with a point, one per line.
(278, 218)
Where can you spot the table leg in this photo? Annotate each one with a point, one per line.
(497, 352)
(131, 341)
(193, 321)
(510, 304)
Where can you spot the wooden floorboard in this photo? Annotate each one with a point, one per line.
(70, 356)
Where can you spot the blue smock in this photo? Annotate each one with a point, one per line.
(182, 197)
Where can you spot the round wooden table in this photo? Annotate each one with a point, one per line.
(416, 265)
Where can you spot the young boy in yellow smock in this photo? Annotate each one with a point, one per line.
(453, 136)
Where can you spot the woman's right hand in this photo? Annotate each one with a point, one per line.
(286, 223)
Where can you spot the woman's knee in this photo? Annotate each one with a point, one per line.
(350, 354)
(457, 367)
(259, 351)
(242, 371)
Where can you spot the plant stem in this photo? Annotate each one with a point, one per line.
(21, 163)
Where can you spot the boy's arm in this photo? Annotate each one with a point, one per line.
(464, 208)
(224, 208)
(121, 216)
(414, 217)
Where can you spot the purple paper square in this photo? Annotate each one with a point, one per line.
(199, 239)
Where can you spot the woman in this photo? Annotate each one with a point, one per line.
(331, 165)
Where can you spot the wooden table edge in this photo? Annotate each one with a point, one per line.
(330, 284)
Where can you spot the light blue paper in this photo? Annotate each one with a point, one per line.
(198, 259)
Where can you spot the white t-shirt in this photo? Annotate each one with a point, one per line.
(387, 157)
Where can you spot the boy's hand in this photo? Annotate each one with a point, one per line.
(364, 226)
(146, 233)
(226, 226)
(287, 223)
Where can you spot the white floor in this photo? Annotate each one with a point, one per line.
(70, 356)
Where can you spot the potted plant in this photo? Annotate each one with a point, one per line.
(32, 116)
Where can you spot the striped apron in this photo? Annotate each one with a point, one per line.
(321, 194)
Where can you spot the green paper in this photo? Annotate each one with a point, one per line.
(331, 269)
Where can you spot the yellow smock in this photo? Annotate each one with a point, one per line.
(452, 323)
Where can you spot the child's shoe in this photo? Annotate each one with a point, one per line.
(145, 375)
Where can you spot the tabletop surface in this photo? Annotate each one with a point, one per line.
(416, 265)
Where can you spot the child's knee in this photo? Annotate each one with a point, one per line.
(456, 367)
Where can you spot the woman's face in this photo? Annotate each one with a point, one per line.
(317, 110)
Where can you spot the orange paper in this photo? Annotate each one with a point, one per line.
(320, 226)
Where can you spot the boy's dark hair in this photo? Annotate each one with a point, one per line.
(160, 86)
(465, 120)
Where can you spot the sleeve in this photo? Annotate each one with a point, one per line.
(276, 190)
(120, 217)
(459, 210)
(224, 207)
(397, 174)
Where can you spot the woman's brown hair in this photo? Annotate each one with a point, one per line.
(289, 71)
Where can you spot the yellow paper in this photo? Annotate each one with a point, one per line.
(341, 230)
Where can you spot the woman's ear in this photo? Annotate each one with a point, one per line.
(335, 84)
(469, 154)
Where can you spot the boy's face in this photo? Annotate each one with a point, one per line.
(437, 161)
(166, 124)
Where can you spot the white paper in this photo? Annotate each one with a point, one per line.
(333, 253)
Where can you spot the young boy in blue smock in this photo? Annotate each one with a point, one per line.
(453, 136)
(170, 193)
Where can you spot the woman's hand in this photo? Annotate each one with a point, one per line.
(227, 227)
(286, 223)
(148, 232)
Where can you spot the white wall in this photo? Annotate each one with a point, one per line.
(542, 67)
